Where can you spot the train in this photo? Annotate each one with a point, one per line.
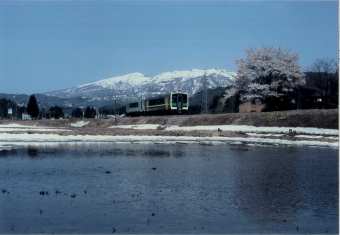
(167, 104)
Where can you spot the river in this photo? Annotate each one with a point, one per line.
(144, 188)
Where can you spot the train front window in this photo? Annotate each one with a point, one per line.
(183, 98)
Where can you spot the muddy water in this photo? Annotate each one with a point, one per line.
(131, 188)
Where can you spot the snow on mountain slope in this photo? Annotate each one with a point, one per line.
(193, 73)
(137, 84)
(128, 81)
(103, 87)
(190, 81)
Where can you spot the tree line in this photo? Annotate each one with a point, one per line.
(56, 112)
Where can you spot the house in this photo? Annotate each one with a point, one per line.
(255, 105)
(25, 116)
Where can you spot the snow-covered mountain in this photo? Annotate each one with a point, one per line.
(112, 86)
(134, 85)
(191, 81)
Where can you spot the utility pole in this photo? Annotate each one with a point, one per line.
(205, 93)
(97, 113)
(115, 110)
(16, 107)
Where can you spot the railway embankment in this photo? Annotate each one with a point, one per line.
(318, 118)
(324, 118)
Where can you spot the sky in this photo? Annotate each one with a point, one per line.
(53, 45)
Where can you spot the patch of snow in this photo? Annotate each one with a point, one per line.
(7, 139)
(19, 127)
(332, 137)
(310, 136)
(139, 127)
(242, 128)
(259, 134)
(253, 129)
(80, 124)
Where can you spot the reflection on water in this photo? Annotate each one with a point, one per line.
(131, 188)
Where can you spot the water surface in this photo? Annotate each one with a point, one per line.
(140, 188)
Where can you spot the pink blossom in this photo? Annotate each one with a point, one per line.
(266, 72)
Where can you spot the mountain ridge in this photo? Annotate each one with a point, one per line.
(122, 89)
(136, 84)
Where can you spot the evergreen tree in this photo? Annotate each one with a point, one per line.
(57, 112)
(32, 107)
(93, 113)
(77, 113)
(90, 112)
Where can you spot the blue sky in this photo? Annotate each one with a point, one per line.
(53, 45)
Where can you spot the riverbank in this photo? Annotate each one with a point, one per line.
(303, 127)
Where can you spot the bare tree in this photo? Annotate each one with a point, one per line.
(323, 74)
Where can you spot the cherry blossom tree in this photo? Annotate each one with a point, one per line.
(265, 73)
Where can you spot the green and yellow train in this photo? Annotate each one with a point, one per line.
(172, 103)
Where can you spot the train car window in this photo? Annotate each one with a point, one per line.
(133, 105)
(158, 101)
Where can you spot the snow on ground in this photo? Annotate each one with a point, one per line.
(259, 134)
(80, 124)
(139, 127)
(272, 130)
(310, 136)
(9, 141)
(18, 127)
(239, 128)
